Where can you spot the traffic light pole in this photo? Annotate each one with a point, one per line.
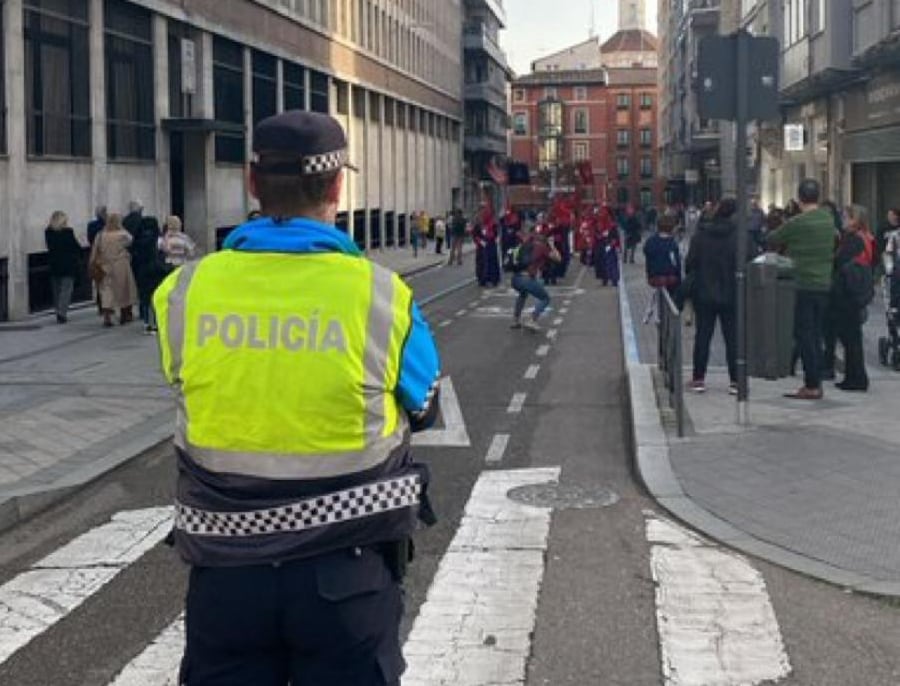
(743, 79)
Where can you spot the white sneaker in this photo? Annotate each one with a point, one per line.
(532, 325)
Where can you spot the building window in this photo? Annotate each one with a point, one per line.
(519, 95)
(550, 92)
(646, 138)
(228, 98)
(294, 88)
(623, 101)
(622, 167)
(520, 124)
(580, 93)
(581, 121)
(622, 196)
(646, 101)
(646, 167)
(318, 92)
(57, 86)
(180, 103)
(265, 87)
(794, 20)
(130, 119)
(580, 151)
(623, 138)
(549, 153)
(646, 197)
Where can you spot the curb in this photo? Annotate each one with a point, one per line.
(18, 505)
(650, 447)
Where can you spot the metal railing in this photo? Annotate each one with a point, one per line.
(671, 355)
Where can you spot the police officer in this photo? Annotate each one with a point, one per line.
(300, 369)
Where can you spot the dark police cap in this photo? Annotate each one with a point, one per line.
(300, 143)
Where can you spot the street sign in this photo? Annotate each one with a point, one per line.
(794, 137)
(188, 67)
(717, 80)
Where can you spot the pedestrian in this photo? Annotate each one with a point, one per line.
(96, 224)
(530, 260)
(808, 239)
(176, 245)
(606, 249)
(510, 225)
(632, 227)
(852, 291)
(710, 268)
(64, 258)
(424, 225)
(132, 220)
(662, 259)
(757, 226)
(457, 237)
(891, 224)
(310, 365)
(150, 268)
(415, 234)
(487, 262)
(110, 268)
(584, 239)
(440, 234)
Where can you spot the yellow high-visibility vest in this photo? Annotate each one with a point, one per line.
(285, 364)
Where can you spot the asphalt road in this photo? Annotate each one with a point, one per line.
(596, 612)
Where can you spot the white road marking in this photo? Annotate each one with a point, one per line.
(497, 449)
(461, 313)
(558, 321)
(551, 334)
(543, 350)
(454, 434)
(35, 600)
(158, 664)
(474, 304)
(564, 310)
(516, 404)
(446, 322)
(716, 623)
(475, 625)
(532, 371)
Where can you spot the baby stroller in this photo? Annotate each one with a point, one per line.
(889, 346)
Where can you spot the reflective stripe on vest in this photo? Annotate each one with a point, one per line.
(341, 506)
(286, 365)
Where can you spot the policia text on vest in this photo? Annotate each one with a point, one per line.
(293, 333)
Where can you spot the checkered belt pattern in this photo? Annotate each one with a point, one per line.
(341, 506)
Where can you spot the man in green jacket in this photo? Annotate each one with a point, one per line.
(809, 239)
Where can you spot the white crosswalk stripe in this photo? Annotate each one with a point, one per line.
(158, 664)
(716, 623)
(35, 600)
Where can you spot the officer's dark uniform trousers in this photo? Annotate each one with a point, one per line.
(334, 618)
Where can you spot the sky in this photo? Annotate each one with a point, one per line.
(535, 28)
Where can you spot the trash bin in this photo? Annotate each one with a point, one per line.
(771, 294)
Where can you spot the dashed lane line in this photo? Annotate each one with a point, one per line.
(476, 622)
(558, 321)
(715, 620)
(564, 310)
(53, 587)
(551, 334)
(532, 371)
(446, 322)
(461, 313)
(517, 403)
(543, 350)
(497, 449)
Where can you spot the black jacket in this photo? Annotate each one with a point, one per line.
(711, 263)
(64, 252)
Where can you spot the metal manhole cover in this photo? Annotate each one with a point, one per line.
(563, 497)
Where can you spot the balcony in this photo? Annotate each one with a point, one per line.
(795, 65)
(477, 37)
(485, 141)
(488, 92)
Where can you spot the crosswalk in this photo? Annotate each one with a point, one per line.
(715, 622)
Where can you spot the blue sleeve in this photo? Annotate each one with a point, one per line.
(420, 371)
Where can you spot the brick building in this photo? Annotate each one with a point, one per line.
(607, 116)
(605, 111)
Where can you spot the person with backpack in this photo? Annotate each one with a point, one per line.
(662, 258)
(526, 262)
(853, 288)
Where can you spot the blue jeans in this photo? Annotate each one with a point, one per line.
(527, 285)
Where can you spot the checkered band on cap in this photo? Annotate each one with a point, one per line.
(324, 163)
(332, 508)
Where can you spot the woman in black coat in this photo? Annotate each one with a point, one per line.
(148, 268)
(64, 254)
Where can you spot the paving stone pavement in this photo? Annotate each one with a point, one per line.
(77, 400)
(818, 480)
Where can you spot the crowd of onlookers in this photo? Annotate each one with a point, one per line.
(837, 260)
(130, 255)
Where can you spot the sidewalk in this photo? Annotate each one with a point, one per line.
(809, 486)
(78, 400)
